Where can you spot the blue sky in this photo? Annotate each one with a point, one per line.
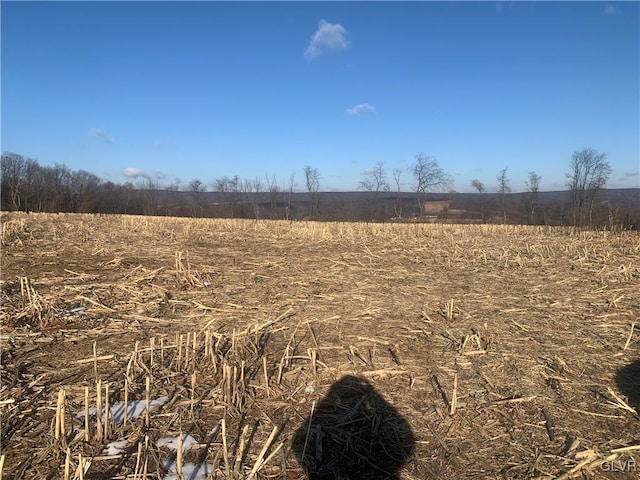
(184, 90)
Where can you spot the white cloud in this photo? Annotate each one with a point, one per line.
(135, 173)
(330, 37)
(361, 109)
(611, 10)
(100, 133)
(367, 171)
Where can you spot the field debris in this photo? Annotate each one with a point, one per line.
(238, 349)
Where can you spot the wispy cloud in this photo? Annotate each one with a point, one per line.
(132, 172)
(156, 176)
(161, 175)
(367, 171)
(629, 175)
(361, 109)
(100, 133)
(330, 37)
(160, 143)
(611, 10)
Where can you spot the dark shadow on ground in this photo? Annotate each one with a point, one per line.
(353, 434)
(628, 381)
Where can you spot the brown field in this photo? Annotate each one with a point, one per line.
(418, 351)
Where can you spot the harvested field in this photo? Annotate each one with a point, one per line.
(317, 350)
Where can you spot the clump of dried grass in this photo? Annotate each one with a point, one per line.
(13, 231)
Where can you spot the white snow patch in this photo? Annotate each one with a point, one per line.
(73, 311)
(115, 448)
(135, 408)
(172, 442)
(190, 471)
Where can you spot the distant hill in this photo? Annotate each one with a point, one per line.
(613, 206)
(623, 196)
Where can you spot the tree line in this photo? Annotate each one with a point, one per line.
(31, 187)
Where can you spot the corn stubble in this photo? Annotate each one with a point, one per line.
(498, 345)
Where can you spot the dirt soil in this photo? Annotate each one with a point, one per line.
(322, 350)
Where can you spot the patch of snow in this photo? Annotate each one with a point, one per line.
(172, 442)
(135, 408)
(215, 430)
(73, 311)
(115, 448)
(190, 471)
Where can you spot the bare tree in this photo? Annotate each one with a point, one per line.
(83, 188)
(251, 189)
(149, 190)
(289, 196)
(533, 187)
(27, 185)
(197, 189)
(397, 173)
(52, 187)
(274, 190)
(229, 188)
(13, 181)
(376, 183)
(258, 185)
(196, 185)
(479, 186)
(312, 178)
(31, 180)
(503, 189)
(589, 173)
(220, 184)
(258, 188)
(428, 176)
